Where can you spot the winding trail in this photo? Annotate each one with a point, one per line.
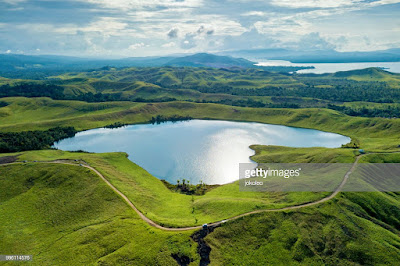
(154, 224)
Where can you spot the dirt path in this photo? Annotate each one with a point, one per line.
(154, 224)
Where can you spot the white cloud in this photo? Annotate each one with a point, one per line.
(359, 4)
(384, 2)
(284, 25)
(121, 26)
(254, 13)
(8, 52)
(314, 3)
(168, 45)
(141, 4)
(14, 2)
(136, 46)
(106, 26)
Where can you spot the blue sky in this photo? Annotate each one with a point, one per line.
(122, 28)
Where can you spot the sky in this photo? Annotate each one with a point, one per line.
(131, 28)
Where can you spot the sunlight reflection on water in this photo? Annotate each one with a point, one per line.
(197, 150)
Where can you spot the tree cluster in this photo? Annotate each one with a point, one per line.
(33, 140)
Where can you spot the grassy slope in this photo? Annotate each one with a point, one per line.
(65, 215)
(353, 229)
(280, 154)
(170, 208)
(372, 74)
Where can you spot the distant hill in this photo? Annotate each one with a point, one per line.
(210, 60)
(38, 67)
(318, 56)
(372, 71)
(370, 74)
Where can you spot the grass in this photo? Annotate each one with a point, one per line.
(65, 215)
(353, 229)
(170, 208)
(69, 216)
(281, 154)
(21, 111)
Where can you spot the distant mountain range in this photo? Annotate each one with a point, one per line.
(318, 56)
(18, 62)
(39, 67)
(12, 62)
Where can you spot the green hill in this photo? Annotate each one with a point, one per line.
(65, 215)
(371, 74)
(210, 60)
(353, 229)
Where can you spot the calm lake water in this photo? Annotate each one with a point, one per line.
(197, 150)
(321, 68)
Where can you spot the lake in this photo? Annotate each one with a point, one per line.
(197, 150)
(321, 68)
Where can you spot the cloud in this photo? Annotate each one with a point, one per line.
(280, 26)
(168, 45)
(254, 13)
(313, 41)
(14, 2)
(210, 32)
(251, 39)
(189, 41)
(8, 52)
(314, 3)
(358, 4)
(136, 46)
(173, 33)
(142, 4)
(116, 27)
(200, 30)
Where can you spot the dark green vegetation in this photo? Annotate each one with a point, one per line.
(185, 187)
(351, 92)
(33, 140)
(32, 90)
(381, 111)
(115, 125)
(175, 118)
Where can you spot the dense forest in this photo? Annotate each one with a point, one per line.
(33, 140)
(387, 112)
(32, 90)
